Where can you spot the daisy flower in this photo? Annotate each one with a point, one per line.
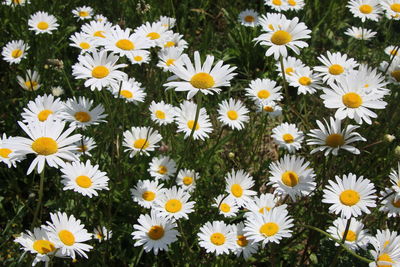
(238, 186)
(269, 227)
(243, 245)
(359, 33)
(331, 138)
(162, 113)
(200, 78)
(296, 5)
(187, 179)
(15, 51)
(262, 204)
(57, 91)
(374, 81)
(79, 112)
(305, 81)
(102, 233)
(42, 108)
(83, 42)
(97, 29)
(185, 119)
(267, 21)
(233, 113)
(84, 146)
(68, 234)
(334, 66)
(167, 22)
(154, 232)
(226, 205)
(48, 142)
(389, 203)
(286, 34)
(273, 110)
(168, 56)
(141, 140)
(391, 8)
(175, 40)
(7, 151)
(85, 179)
(393, 72)
(100, 18)
(139, 57)
(264, 91)
(83, 12)
(291, 65)
(356, 236)
(146, 192)
(174, 204)
(287, 136)
(277, 5)
(154, 32)
(16, 2)
(217, 237)
(248, 18)
(42, 22)
(386, 250)
(292, 176)
(99, 69)
(392, 50)
(365, 9)
(350, 196)
(129, 89)
(395, 180)
(162, 167)
(31, 81)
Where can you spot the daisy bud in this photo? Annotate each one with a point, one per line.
(397, 151)
(389, 138)
(231, 155)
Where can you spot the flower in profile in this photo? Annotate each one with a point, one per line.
(356, 236)
(84, 146)
(128, 89)
(13, 52)
(42, 22)
(277, 5)
(386, 250)
(84, 42)
(273, 110)
(43, 108)
(291, 65)
(365, 9)
(16, 2)
(102, 233)
(141, 140)
(175, 40)
(169, 57)
(243, 246)
(31, 81)
(217, 237)
(360, 33)
(97, 29)
(390, 203)
(262, 204)
(248, 18)
(395, 180)
(162, 167)
(167, 22)
(287, 136)
(83, 12)
(393, 70)
(146, 192)
(295, 5)
(200, 78)
(238, 184)
(233, 113)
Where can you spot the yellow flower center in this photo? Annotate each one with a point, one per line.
(268, 108)
(125, 44)
(148, 196)
(160, 114)
(170, 62)
(217, 239)
(349, 197)
(288, 138)
(82, 148)
(249, 18)
(292, 2)
(351, 236)
(366, 9)
(42, 25)
(100, 72)
(352, 100)
(44, 114)
(237, 190)
(290, 178)
(281, 37)
(395, 7)
(187, 180)
(269, 229)
(84, 45)
(43, 246)
(156, 232)
(261, 210)
(396, 75)
(138, 58)
(169, 44)
(386, 243)
(173, 205)
(126, 93)
(277, 2)
(83, 181)
(153, 35)
(45, 146)
(336, 69)
(190, 124)
(31, 84)
(202, 80)
(263, 94)
(16, 53)
(82, 116)
(66, 237)
(4, 152)
(385, 257)
(141, 143)
(289, 71)
(305, 81)
(334, 140)
(99, 34)
(83, 13)
(396, 203)
(162, 169)
(225, 207)
(232, 114)
(242, 241)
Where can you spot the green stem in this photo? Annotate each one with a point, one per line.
(285, 86)
(39, 205)
(346, 231)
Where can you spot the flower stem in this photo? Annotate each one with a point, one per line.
(285, 86)
(39, 204)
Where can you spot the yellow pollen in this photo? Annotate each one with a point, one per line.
(100, 72)
(225, 207)
(261, 210)
(160, 114)
(351, 236)
(43, 25)
(187, 180)
(336, 69)
(138, 58)
(305, 81)
(126, 93)
(83, 13)
(99, 34)
(82, 116)
(153, 35)
(290, 178)
(43, 246)
(366, 9)
(289, 71)
(277, 2)
(99, 236)
(334, 140)
(263, 94)
(249, 18)
(82, 148)
(170, 62)
(217, 239)
(236, 190)
(66, 237)
(125, 44)
(352, 100)
(385, 257)
(202, 80)
(281, 37)
(16, 53)
(288, 138)
(45, 146)
(292, 2)
(141, 144)
(4, 152)
(156, 232)
(232, 114)
(395, 7)
(349, 197)
(242, 241)
(83, 181)
(17, 2)
(44, 114)
(148, 196)
(269, 229)
(396, 203)
(268, 108)
(31, 84)
(169, 44)
(173, 205)
(162, 169)
(84, 45)
(190, 124)
(396, 75)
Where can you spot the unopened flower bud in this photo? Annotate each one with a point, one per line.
(397, 151)
(231, 155)
(389, 138)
